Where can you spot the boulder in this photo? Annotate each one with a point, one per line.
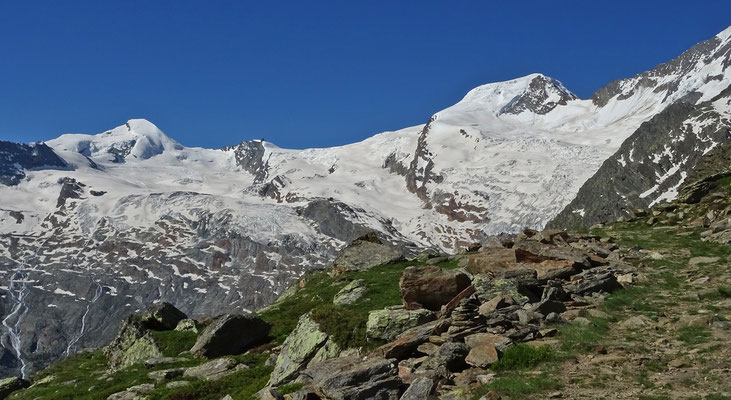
(365, 253)
(230, 334)
(306, 344)
(487, 289)
(484, 348)
(601, 282)
(388, 324)
(133, 344)
(350, 293)
(133, 393)
(10, 385)
(162, 316)
(214, 370)
(493, 260)
(431, 287)
(186, 325)
(497, 302)
(450, 355)
(165, 374)
(530, 251)
(419, 389)
(355, 378)
(407, 342)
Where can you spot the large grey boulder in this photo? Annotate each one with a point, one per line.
(355, 378)
(133, 344)
(388, 324)
(305, 345)
(230, 334)
(364, 253)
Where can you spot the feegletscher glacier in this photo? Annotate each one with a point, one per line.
(95, 227)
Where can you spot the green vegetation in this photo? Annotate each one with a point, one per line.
(345, 324)
(578, 337)
(517, 385)
(523, 356)
(240, 385)
(172, 343)
(82, 376)
(693, 334)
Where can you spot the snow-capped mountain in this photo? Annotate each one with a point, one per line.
(94, 227)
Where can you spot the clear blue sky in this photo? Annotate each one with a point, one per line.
(310, 73)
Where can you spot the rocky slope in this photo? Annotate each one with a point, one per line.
(651, 164)
(94, 227)
(635, 309)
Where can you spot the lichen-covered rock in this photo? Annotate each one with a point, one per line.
(214, 370)
(431, 287)
(350, 293)
(133, 344)
(306, 344)
(355, 378)
(488, 288)
(230, 334)
(364, 253)
(10, 385)
(388, 324)
(186, 325)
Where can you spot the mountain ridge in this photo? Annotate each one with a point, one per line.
(140, 219)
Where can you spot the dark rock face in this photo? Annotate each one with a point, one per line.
(230, 334)
(535, 98)
(650, 165)
(15, 157)
(680, 66)
(250, 157)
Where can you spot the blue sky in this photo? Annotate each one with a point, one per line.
(310, 73)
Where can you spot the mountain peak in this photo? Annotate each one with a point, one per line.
(536, 93)
(136, 139)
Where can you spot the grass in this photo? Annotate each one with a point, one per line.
(522, 356)
(345, 324)
(518, 384)
(633, 298)
(172, 343)
(576, 337)
(240, 385)
(80, 377)
(693, 334)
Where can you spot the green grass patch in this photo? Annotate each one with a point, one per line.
(517, 385)
(283, 315)
(693, 334)
(172, 343)
(240, 385)
(522, 356)
(81, 376)
(575, 337)
(634, 298)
